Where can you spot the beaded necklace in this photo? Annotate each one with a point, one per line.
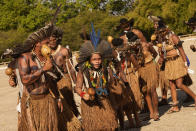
(97, 79)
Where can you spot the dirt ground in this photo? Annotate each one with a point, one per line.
(185, 120)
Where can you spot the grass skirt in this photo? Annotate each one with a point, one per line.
(117, 95)
(134, 83)
(67, 120)
(98, 115)
(175, 69)
(65, 87)
(39, 113)
(148, 76)
(163, 82)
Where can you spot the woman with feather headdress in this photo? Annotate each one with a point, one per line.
(96, 111)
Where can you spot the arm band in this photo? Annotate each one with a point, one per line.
(179, 44)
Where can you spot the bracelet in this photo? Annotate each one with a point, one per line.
(82, 94)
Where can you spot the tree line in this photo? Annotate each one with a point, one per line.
(18, 18)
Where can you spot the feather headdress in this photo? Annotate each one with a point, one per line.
(40, 35)
(96, 45)
(32, 39)
(94, 37)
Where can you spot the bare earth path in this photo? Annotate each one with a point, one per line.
(185, 120)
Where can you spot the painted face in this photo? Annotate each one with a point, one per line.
(53, 43)
(95, 60)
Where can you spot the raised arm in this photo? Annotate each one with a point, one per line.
(139, 35)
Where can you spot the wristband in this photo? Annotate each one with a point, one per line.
(82, 94)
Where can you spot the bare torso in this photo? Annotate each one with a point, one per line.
(31, 75)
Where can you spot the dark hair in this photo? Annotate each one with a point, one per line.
(131, 36)
(85, 36)
(192, 20)
(123, 20)
(117, 42)
(125, 23)
(58, 34)
(161, 23)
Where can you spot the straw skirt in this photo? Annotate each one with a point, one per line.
(39, 113)
(148, 76)
(175, 69)
(134, 83)
(98, 115)
(65, 88)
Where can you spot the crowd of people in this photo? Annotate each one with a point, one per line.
(114, 77)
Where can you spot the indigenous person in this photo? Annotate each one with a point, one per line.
(96, 110)
(130, 64)
(126, 26)
(60, 55)
(62, 59)
(39, 107)
(145, 55)
(192, 24)
(163, 82)
(12, 72)
(122, 95)
(175, 64)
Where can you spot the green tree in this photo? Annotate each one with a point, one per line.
(73, 27)
(174, 13)
(12, 11)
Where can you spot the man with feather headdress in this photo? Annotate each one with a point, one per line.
(40, 97)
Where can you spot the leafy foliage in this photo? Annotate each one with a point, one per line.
(20, 17)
